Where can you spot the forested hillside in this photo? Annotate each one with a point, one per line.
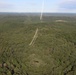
(52, 52)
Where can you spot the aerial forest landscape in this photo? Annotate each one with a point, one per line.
(37, 37)
(29, 46)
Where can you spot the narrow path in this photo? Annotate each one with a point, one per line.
(34, 37)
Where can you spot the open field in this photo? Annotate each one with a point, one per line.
(52, 52)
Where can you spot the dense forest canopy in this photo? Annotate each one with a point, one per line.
(53, 52)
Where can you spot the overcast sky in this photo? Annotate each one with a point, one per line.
(67, 6)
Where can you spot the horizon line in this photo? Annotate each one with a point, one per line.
(40, 12)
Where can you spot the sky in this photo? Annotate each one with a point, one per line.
(53, 6)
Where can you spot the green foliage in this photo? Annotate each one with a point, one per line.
(53, 52)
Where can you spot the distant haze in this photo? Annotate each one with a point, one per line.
(38, 14)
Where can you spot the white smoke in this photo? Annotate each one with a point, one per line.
(42, 10)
